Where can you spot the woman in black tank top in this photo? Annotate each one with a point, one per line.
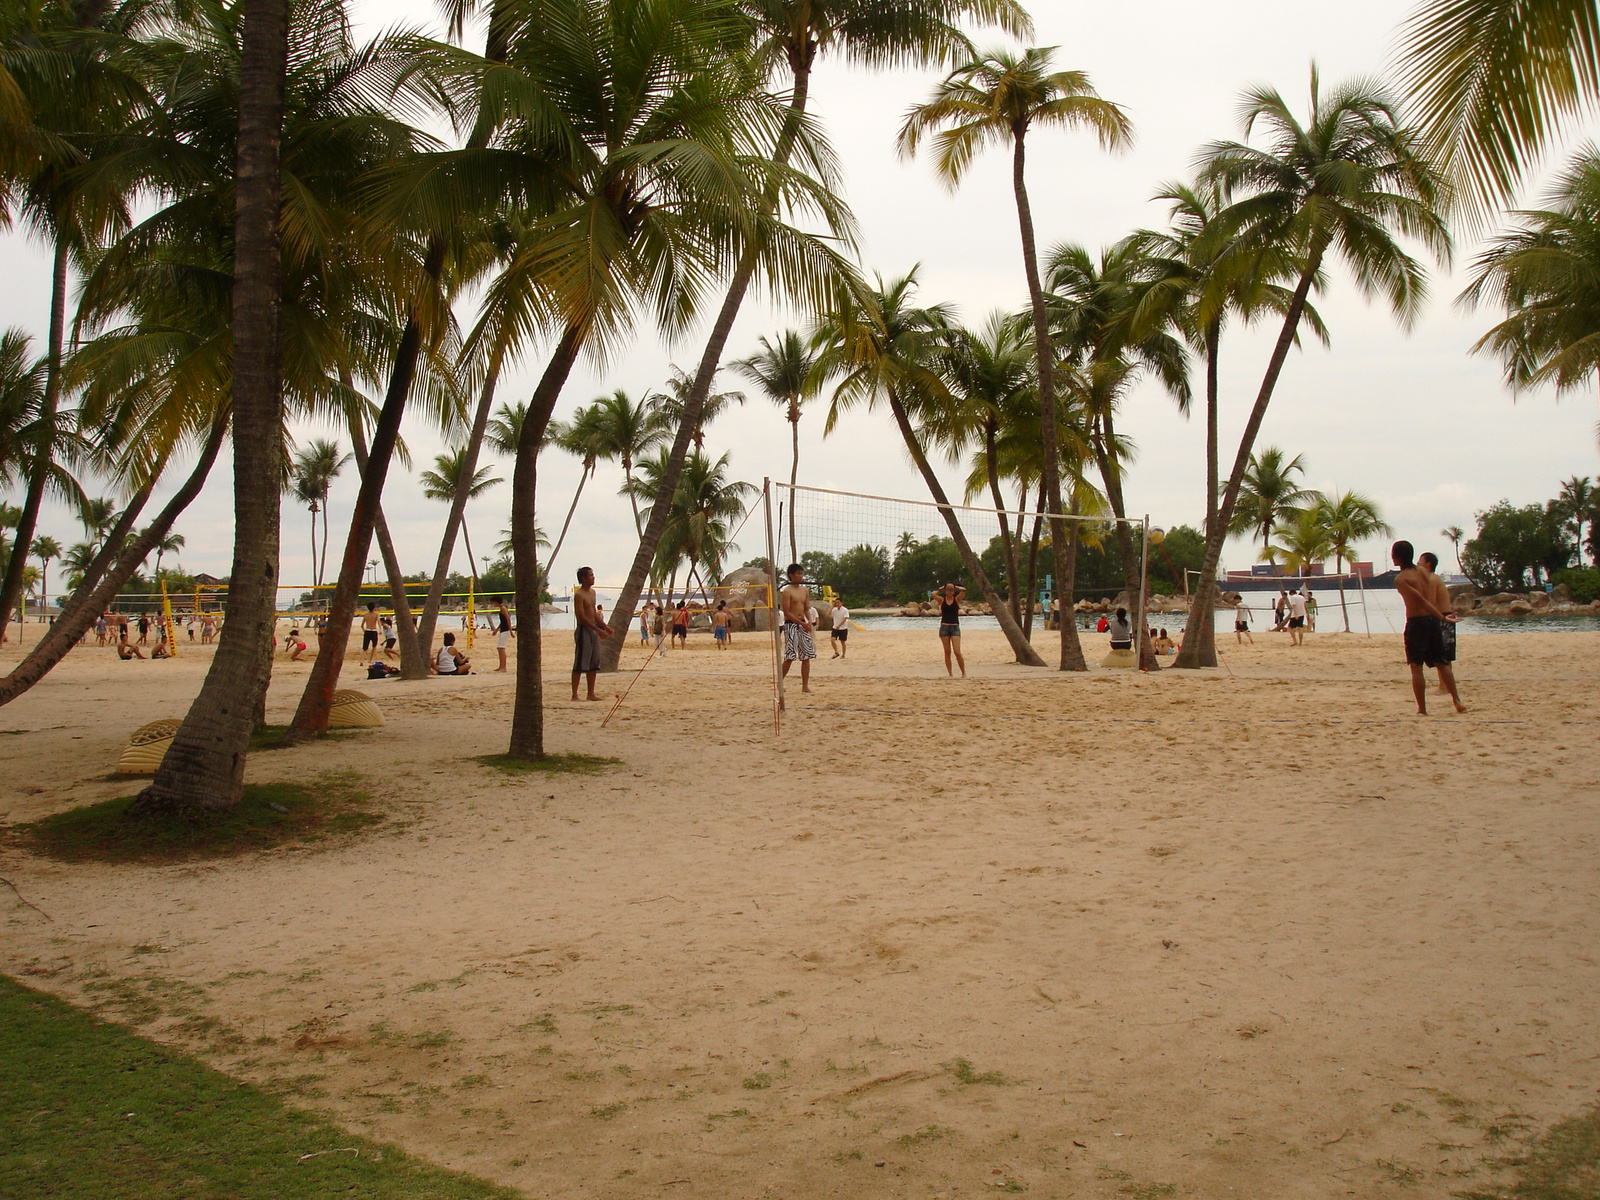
(950, 626)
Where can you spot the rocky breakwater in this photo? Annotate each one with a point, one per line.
(1557, 603)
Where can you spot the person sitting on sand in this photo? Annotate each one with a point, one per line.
(1121, 632)
(1162, 643)
(126, 649)
(378, 669)
(161, 650)
(720, 621)
(1103, 624)
(451, 661)
(294, 646)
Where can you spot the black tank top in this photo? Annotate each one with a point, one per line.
(949, 614)
(505, 623)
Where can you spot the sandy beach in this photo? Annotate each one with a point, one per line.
(1257, 931)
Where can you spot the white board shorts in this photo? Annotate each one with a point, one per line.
(503, 639)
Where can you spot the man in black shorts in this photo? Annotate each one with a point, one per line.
(369, 627)
(1425, 621)
(590, 628)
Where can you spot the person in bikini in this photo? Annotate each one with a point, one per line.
(1425, 620)
(797, 640)
(586, 636)
(950, 626)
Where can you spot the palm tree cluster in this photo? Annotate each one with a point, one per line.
(253, 220)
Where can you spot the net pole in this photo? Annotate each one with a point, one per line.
(166, 620)
(1365, 619)
(472, 608)
(772, 607)
(1141, 632)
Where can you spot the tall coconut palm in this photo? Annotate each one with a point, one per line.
(886, 348)
(1578, 503)
(444, 480)
(581, 436)
(997, 99)
(45, 549)
(312, 474)
(660, 178)
(791, 35)
(1493, 84)
(626, 431)
(705, 509)
(1269, 495)
(1454, 535)
(1346, 519)
(75, 76)
(1302, 540)
(170, 543)
(668, 407)
(204, 768)
(787, 372)
(1344, 185)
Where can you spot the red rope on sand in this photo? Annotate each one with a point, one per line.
(623, 695)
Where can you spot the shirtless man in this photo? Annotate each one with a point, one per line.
(797, 641)
(1428, 562)
(586, 637)
(1424, 620)
(369, 627)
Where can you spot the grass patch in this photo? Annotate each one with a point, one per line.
(965, 1075)
(1562, 1164)
(91, 1111)
(928, 1133)
(550, 764)
(268, 815)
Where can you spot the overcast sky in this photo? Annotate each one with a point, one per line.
(1409, 418)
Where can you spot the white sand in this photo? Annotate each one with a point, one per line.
(1259, 934)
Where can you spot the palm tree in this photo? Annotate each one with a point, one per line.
(581, 436)
(997, 98)
(705, 509)
(312, 474)
(170, 543)
(1346, 184)
(626, 432)
(1579, 501)
(1494, 82)
(45, 548)
(786, 371)
(1302, 540)
(668, 407)
(1269, 495)
(1347, 519)
(883, 347)
(204, 768)
(658, 179)
(1545, 277)
(791, 34)
(444, 480)
(1453, 534)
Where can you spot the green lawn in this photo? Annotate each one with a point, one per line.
(91, 1111)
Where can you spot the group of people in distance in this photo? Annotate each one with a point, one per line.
(450, 659)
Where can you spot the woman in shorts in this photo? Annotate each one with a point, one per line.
(502, 636)
(950, 626)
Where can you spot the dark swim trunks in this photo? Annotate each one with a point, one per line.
(1425, 641)
(586, 650)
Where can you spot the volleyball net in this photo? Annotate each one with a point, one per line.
(1259, 595)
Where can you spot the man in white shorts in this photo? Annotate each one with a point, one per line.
(797, 641)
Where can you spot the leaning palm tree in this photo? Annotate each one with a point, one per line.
(787, 373)
(1347, 519)
(996, 99)
(444, 481)
(1494, 83)
(1346, 184)
(581, 436)
(1269, 495)
(789, 36)
(626, 431)
(886, 348)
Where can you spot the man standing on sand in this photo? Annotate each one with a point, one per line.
(1425, 620)
(369, 627)
(797, 641)
(1428, 563)
(840, 620)
(586, 637)
(1297, 618)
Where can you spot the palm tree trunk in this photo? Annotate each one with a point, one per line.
(571, 508)
(472, 563)
(1007, 543)
(1020, 647)
(1132, 578)
(316, 577)
(1207, 625)
(1033, 559)
(527, 713)
(794, 474)
(98, 587)
(322, 562)
(694, 402)
(204, 768)
(1071, 650)
(458, 509)
(412, 664)
(311, 715)
(1338, 568)
(38, 477)
(1190, 654)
